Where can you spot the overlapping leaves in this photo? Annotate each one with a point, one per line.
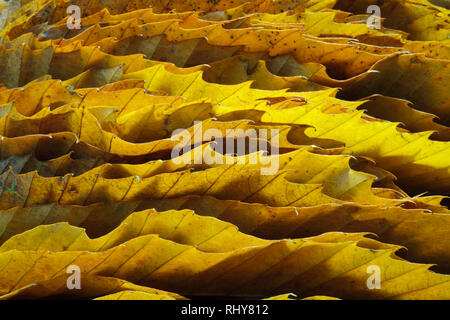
(89, 176)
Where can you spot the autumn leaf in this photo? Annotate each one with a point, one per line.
(278, 150)
(420, 18)
(213, 275)
(93, 287)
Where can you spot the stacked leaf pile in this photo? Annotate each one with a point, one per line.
(361, 117)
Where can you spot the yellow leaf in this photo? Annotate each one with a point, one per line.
(312, 267)
(412, 77)
(213, 235)
(134, 295)
(421, 19)
(93, 286)
(399, 110)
